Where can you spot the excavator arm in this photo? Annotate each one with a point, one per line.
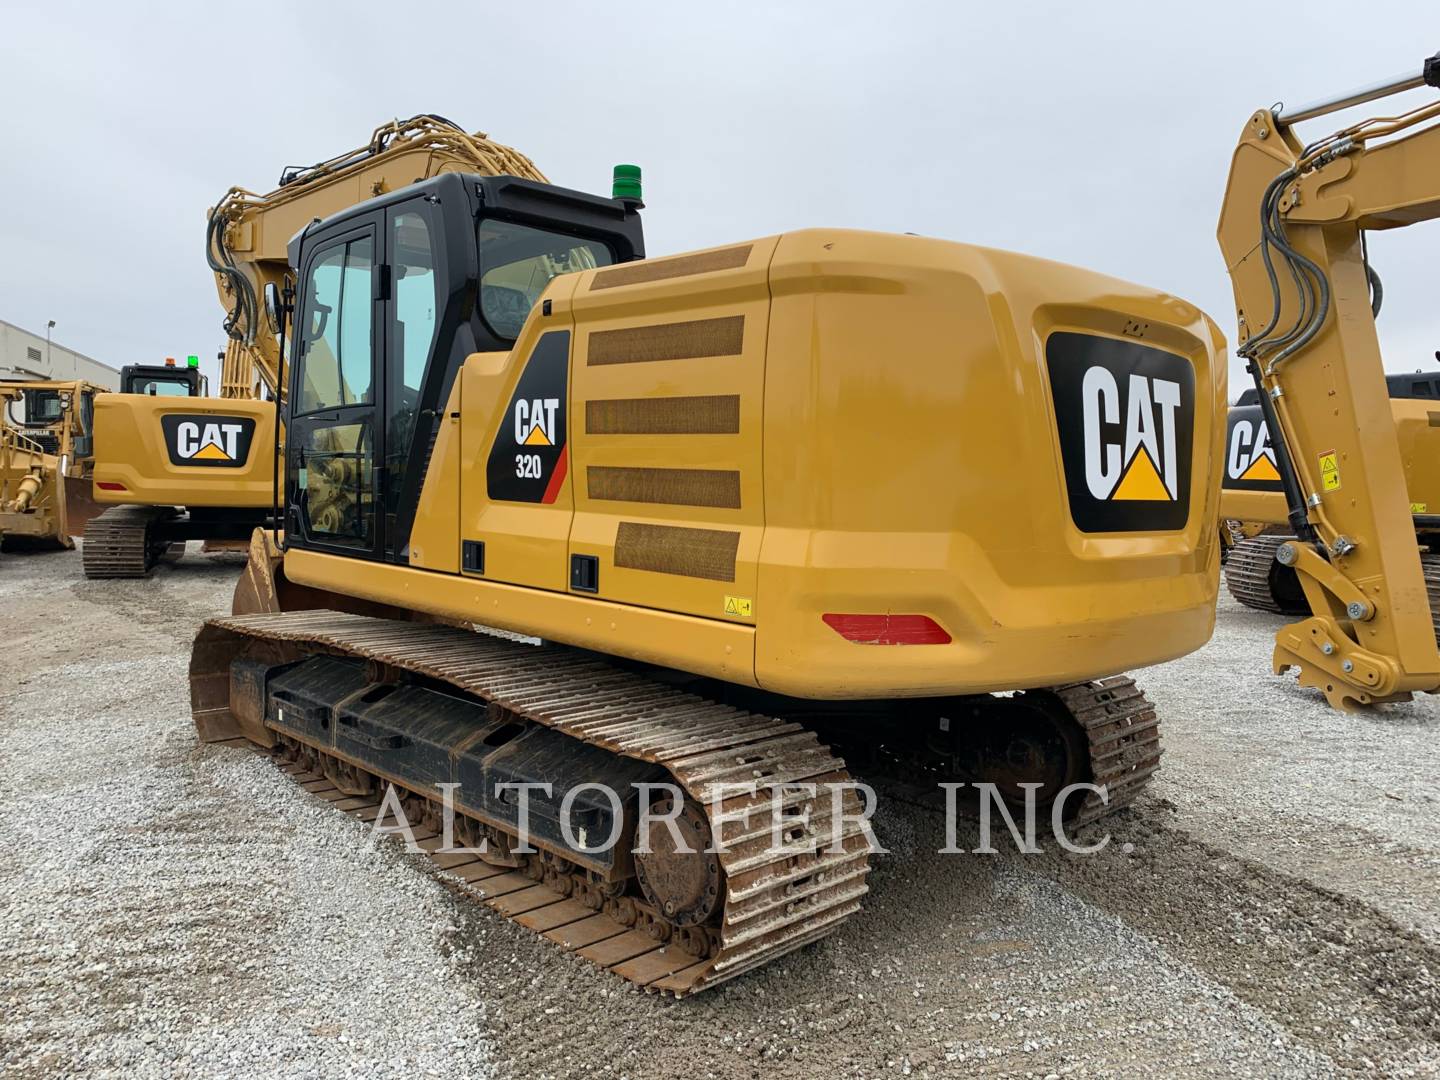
(247, 234)
(1292, 230)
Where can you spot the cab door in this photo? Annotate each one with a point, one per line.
(335, 453)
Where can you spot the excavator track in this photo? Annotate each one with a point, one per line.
(1252, 576)
(773, 899)
(1122, 732)
(118, 543)
(1430, 567)
(1116, 727)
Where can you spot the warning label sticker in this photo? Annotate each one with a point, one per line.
(741, 607)
(1329, 471)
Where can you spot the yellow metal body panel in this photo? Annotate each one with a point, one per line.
(131, 451)
(881, 433)
(912, 465)
(1417, 429)
(713, 326)
(1265, 507)
(704, 646)
(525, 544)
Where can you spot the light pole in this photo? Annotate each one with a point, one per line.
(48, 327)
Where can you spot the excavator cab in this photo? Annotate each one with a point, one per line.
(393, 296)
(163, 380)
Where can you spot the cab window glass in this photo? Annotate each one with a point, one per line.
(42, 406)
(336, 342)
(412, 331)
(517, 262)
(415, 297)
(163, 388)
(336, 482)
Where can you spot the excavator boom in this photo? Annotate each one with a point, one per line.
(1292, 230)
(246, 233)
(191, 467)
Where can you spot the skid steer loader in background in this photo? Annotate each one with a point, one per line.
(45, 462)
(1292, 230)
(1252, 501)
(185, 466)
(984, 492)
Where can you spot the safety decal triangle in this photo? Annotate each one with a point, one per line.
(1141, 482)
(1262, 468)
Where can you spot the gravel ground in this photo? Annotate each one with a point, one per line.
(1270, 909)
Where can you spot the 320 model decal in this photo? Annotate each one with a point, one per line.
(528, 459)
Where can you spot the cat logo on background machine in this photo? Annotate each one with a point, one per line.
(1125, 413)
(1249, 454)
(208, 440)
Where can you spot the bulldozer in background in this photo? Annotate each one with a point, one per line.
(45, 462)
(175, 464)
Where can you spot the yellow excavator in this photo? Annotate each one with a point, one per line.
(919, 498)
(175, 464)
(1254, 517)
(1292, 230)
(985, 488)
(45, 462)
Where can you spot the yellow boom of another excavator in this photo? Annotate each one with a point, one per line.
(175, 465)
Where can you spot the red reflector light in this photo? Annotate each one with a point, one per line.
(888, 629)
(109, 485)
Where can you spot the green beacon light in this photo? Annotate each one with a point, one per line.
(626, 184)
(192, 360)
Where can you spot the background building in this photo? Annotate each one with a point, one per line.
(24, 355)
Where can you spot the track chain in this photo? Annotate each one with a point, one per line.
(1123, 733)
(1430, 568)
(1248, 574)
(775, 899)
(117, 542)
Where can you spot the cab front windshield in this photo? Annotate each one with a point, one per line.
(517, 262)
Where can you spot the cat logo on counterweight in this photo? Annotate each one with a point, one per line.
(1249, 454)
(1125, 413)
(208, 440)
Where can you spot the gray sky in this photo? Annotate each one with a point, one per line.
(1096, 134)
